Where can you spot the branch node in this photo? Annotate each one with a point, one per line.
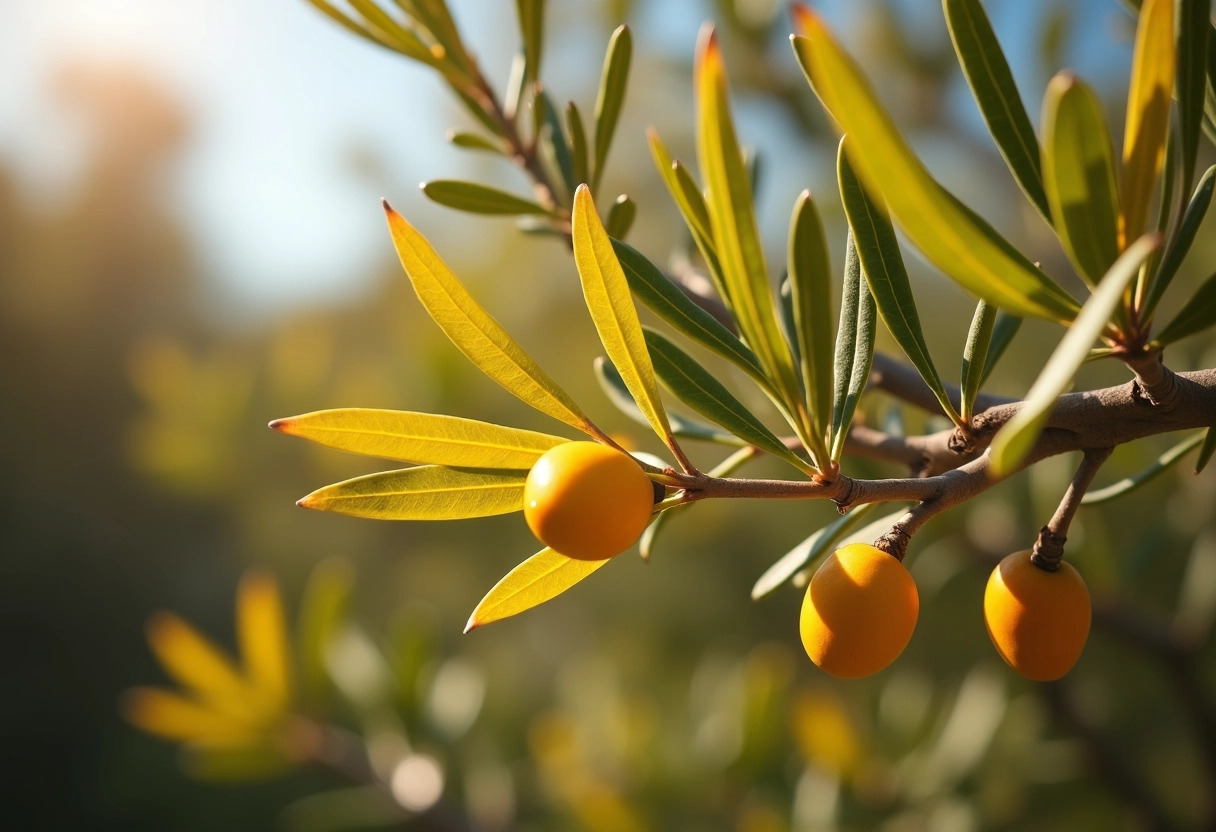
(1048, 550)
(894, 543)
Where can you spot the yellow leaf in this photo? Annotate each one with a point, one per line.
(174, 717)
(541, 577)
(475, 332)
(422, 438)
(1148, 115)
(613, 312)
(733, 221)
(427, 492)
(950, 235)
(197, 663)
(262, 631)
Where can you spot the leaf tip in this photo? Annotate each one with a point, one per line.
(472, 623)
(709, 54)
(806, 20)
(281, 425)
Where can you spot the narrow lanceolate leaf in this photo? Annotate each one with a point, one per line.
(1209, 448)
(553, 142)
(1160, 464)
(733, 221)
(992, 85)
(614, 388)
(421, 438)
(479, 199)
(1148, 114)
(428, 492)
(474, 141)
(1198, 314)
(391, 33)
(1183, 238)
(580, 159)
(811, 297)
(540, 578)
(620, 217)
(613, 81)
(1003, 330)
(1079, 172)
(854, 352)
(607, 293)
(474, 332)
(688, 198)
(531, 14)
(1018, 436)
(1193, 33)
(824, 540)
(975, 356)
(697, 388)
(953, 238)
(883, 267)
(665, 299)
(262, 633)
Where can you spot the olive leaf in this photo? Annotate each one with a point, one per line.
(427, 492)
(540, 578)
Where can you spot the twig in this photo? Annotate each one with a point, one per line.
(1049, 547)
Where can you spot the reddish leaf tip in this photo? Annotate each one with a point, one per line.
(472, 624)
(303, 503)
(278, 424)
(388, 209)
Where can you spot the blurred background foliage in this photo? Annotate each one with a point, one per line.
(138, 476)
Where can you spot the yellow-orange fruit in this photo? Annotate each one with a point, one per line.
(859, 612)
(1037, 620)
(587, 500)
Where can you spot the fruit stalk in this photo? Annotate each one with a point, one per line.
(1049, 547)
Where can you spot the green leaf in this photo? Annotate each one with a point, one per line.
(322, 610)
(607, 293)
(1128, 484)
(409, 45)
(1209, 448)
(478, 199)
(531, 15)
(475, 333)
(613, 81)
(1015, 440)
(620, 217)
(553, 144)
(544, 576)
(697, 388)
(578, 144)
(614, 387)
(420, 438)
(950, 236)
(854, 352)
(427, 492)
(883, 267)
(1148, 114)
(821, 542)
(1183, 238)
(474, 141)
(733, 220)
(975, 356)
(391, 33)
(1198, 314)
(665, 299)
(1079, 171)
(810, 285)
(992, 85)
(1002, 335)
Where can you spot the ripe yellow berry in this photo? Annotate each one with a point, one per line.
(1037, 620)
(587, 501)
(859, 612)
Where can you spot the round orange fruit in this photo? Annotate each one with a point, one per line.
(1037, 620)
(859, 612)
(587, 500)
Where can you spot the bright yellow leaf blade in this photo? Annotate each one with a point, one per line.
(194, 660)
(733, 221)
(616, 319)
(544, 576)
(951, 236)
(174, 717)
(475, 332)
(427, 492)
(262, 631)
(421, 438)
(1148, 115)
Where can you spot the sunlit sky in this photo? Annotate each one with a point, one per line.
(279, 98)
